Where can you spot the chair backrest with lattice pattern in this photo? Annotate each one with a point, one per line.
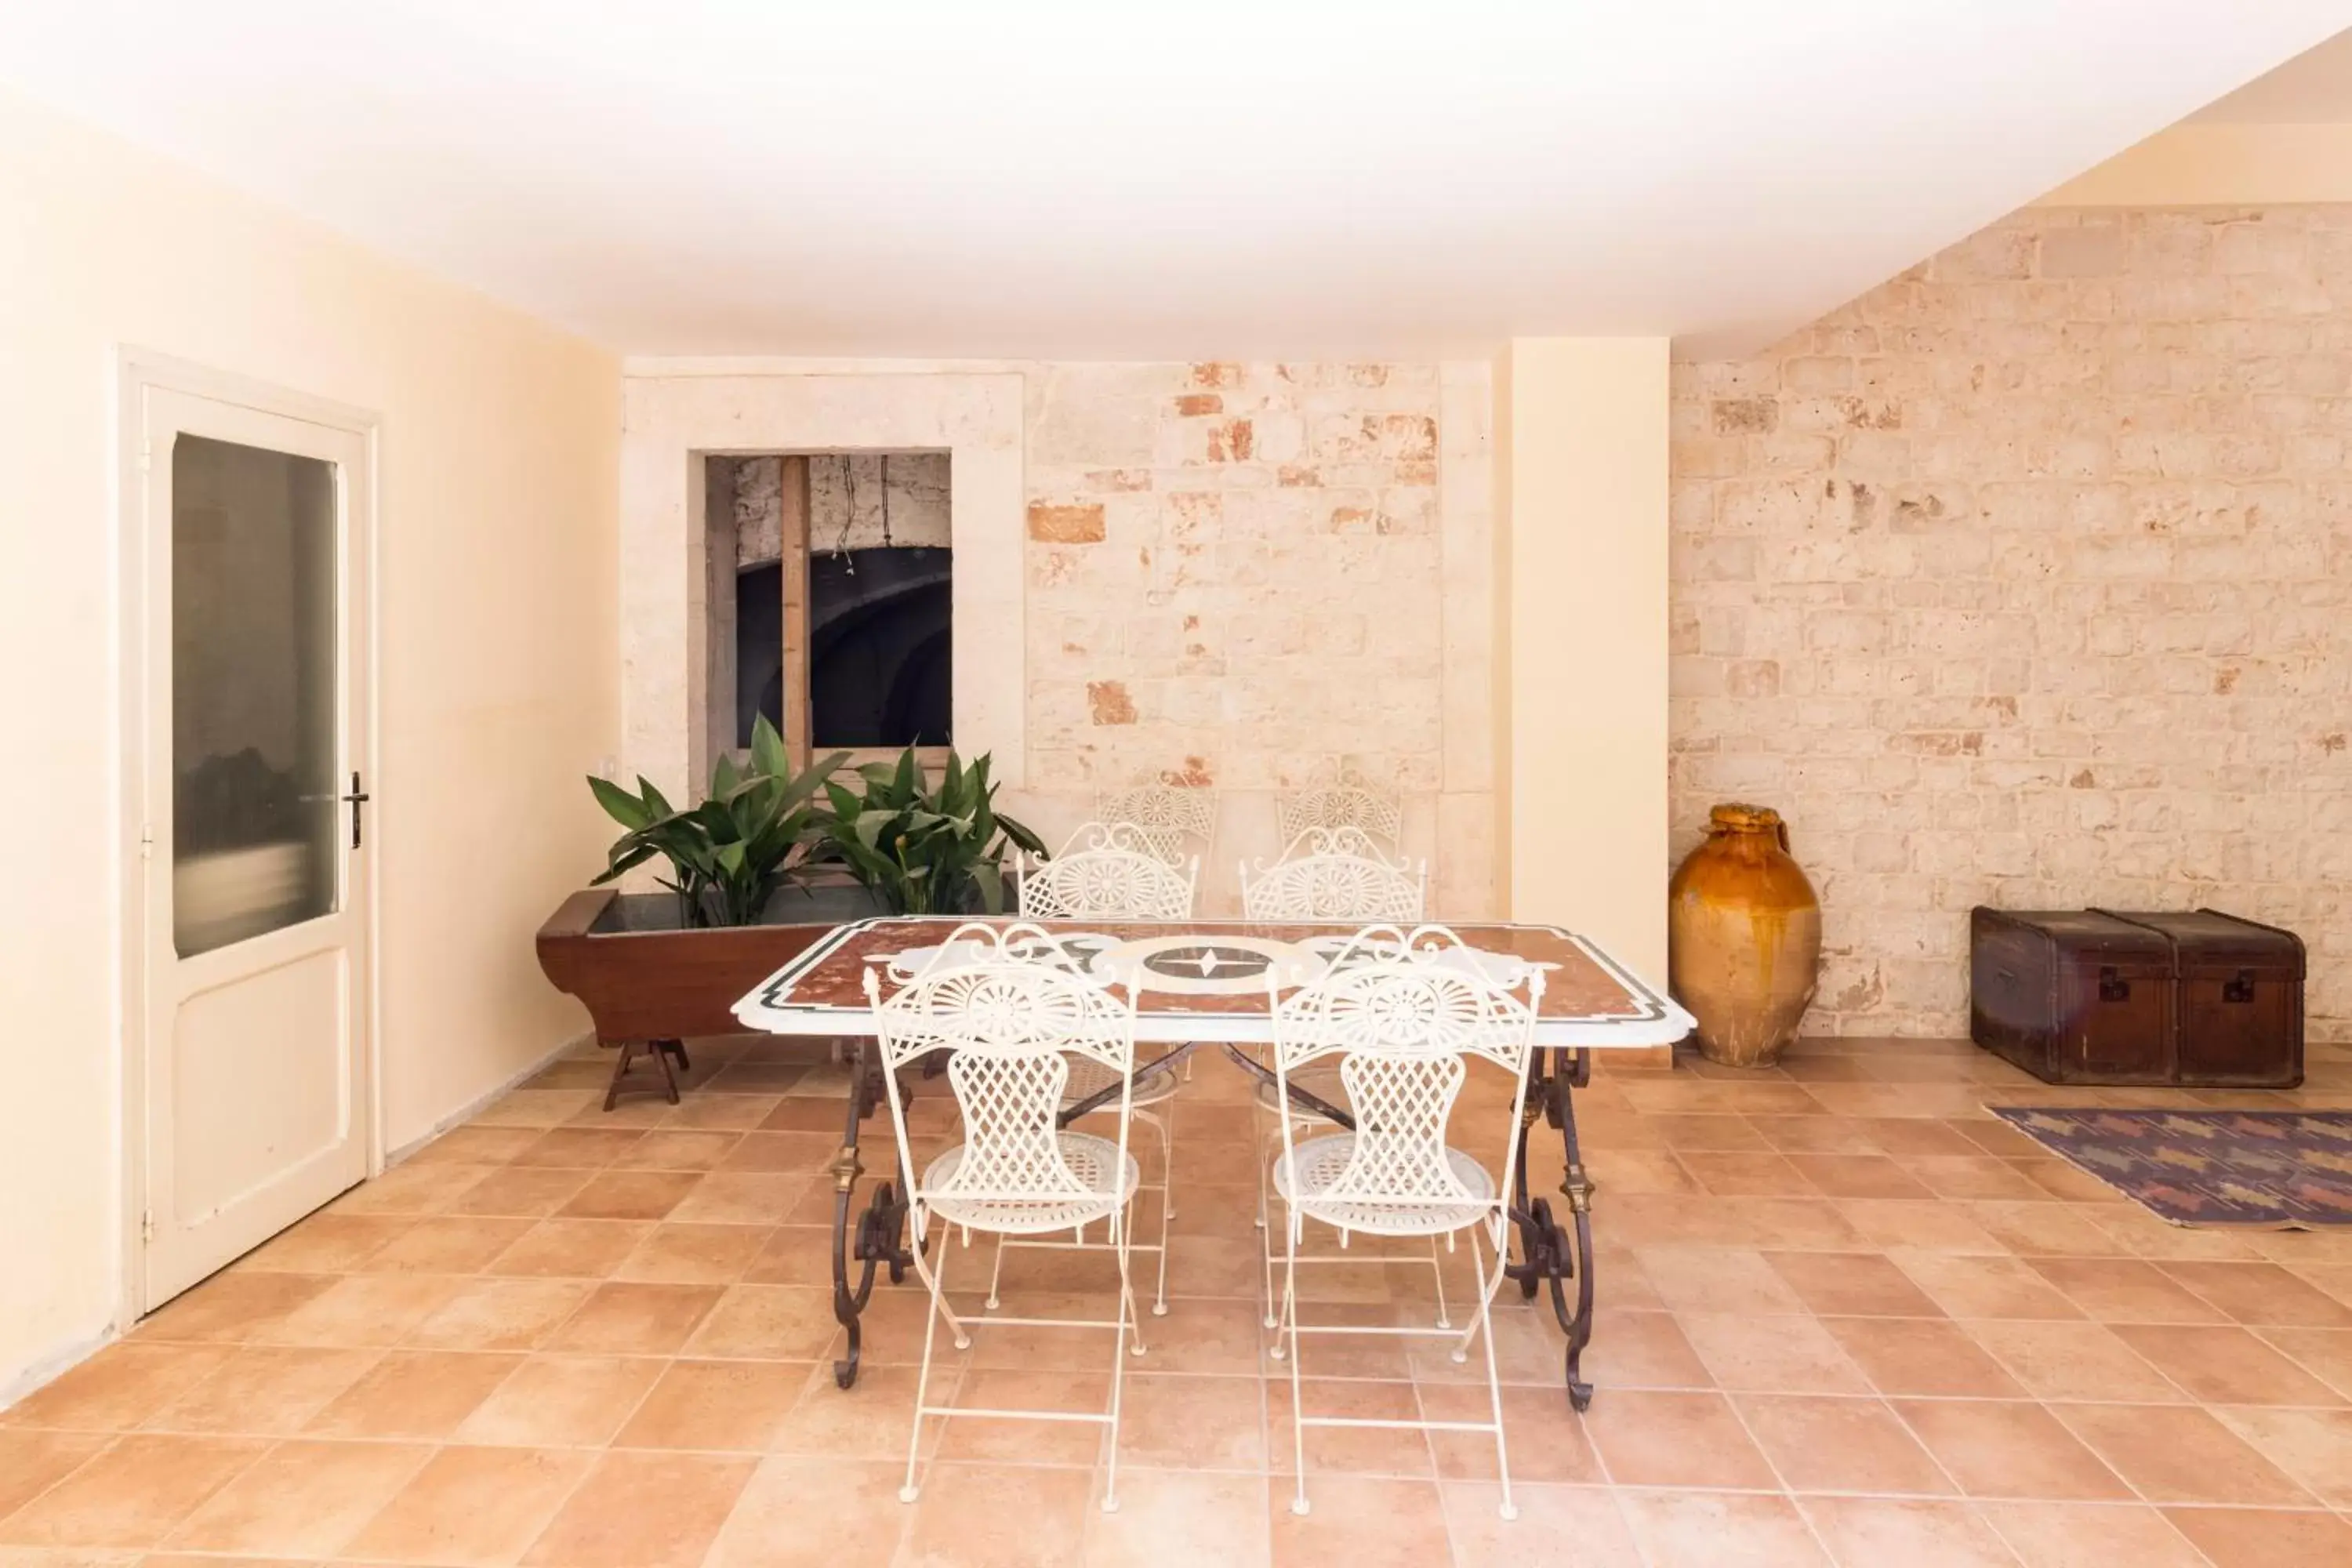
(1350, 802)
(1336, 874)
(1107, 871)
(1009, 1010)
(1405, 1011)
(1176, 821)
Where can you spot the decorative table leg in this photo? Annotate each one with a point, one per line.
(1546, 1255)
(879, 1236)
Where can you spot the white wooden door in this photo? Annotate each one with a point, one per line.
(254, 841)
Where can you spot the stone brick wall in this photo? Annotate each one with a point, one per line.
(2026, 579)
(1247, 575)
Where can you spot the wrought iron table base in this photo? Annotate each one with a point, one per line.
(1548, 1257)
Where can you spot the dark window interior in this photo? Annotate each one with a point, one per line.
(879, 656)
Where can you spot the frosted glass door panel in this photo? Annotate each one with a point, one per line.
(256, 800)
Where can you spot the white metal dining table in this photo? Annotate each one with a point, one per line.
(1201, 982)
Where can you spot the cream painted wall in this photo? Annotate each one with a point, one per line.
(2222, 164)
(496, 550)
(1581, 585)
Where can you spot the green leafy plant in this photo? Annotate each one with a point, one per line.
(729, 854)
(924, 850)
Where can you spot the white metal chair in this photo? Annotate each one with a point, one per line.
(1334, 874)
(1177, 819)
(1350, 801)
(1112, 873)
(1404, 1013)
(1013, 1016)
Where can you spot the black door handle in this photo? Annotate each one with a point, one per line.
(359, 799)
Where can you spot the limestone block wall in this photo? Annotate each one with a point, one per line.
(1249, 576)
(2027, 579)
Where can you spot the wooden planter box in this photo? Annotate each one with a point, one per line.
(649, 985)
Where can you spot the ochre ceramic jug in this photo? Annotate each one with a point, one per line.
(1744, 930)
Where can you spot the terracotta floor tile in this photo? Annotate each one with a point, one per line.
(572, 1249)
(800, 1153)
(446, 1244)
(301, 1499)
(1876, 1176)
(2090, 1535)
(2173, 1453)
(2261, 1538)
(132, 1494)
(998, 1516)
(715, 1405)
(678, 1149)
(1633, 1350)
(746, 1197)
(631, 1194)
(1359, 1521)
(1719, 1530)
(1972, 1176)
(2044, 1229)
(2314, 1446)
(1816, 1135)
(1717, 1279)
(474, 1144)
(537, 1107)
(686, 1254)
(2071, 1183)
(1357, 1451)
(1867, 1533)
(870, 1420)
(119, 1387)
(264, 1390)
(527, 1191)
(988, 1440)
(32, 1462)
(476, 1506)
(779, 1321)
(1807, 1224)
(2072, 1360)
(1584, 1521)
(1788, 1354)
(1168, 1516)
(1731, 1175)
(417, 1188)
(790, 1254)
(2124, 1291)
(625, 1319)
(2325, 1353)
(815, 1513)
(500, 1315)
(643, 1510)
(1908, 1138)
(1674, 1440)
(2010, 1448)
(422, 1395)
(1546, 1446)
(1852, 1284)
(363, 1310)
(1721, 1134)
(1921, 1356)
(2226, 1365)
(579, 1148)
(326, 1243)
(561, 1401)
(1933, 1225)
(1970, 1287)
(1840, 1445)
(1194, 1422)
(235, 1307)
(2262, 1293)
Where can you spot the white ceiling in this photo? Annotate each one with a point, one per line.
(1117, 179)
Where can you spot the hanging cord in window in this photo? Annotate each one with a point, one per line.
(885, 500)
(849, 517)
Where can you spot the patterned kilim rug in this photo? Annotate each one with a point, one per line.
(2277, 1170)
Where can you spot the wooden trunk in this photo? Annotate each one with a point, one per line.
(2095, 996)
(2237, 998)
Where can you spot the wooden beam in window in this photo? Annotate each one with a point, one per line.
(794, 546)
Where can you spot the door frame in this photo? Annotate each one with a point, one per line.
(136, 371)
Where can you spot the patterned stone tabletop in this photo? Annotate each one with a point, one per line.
(1206, 980)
